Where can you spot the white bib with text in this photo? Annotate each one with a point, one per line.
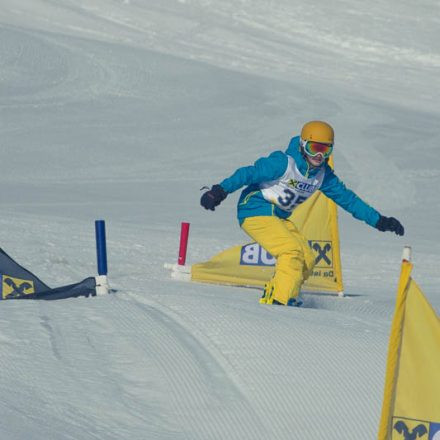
(292, 188)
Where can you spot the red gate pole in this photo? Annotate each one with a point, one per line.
(184, 233)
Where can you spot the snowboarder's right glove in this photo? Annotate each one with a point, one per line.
(213, 197)
(390, 224)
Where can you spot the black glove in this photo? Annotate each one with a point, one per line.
(390, 224)
(213, 197)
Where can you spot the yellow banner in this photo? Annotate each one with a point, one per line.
(411, 406)
(251, 265)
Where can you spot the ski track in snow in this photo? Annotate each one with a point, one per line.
(201, 382)
(279, 381)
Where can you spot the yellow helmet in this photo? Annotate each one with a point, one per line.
(318, 131)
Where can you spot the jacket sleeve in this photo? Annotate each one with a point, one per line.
(264, 169)
(335, 189)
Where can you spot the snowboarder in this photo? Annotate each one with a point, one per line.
(275, 186)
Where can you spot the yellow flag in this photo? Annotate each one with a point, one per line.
(411, 406)
(251, 265)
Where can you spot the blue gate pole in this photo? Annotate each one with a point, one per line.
(102, 286)
(101, 247)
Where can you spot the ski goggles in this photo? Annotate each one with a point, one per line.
(315, 148)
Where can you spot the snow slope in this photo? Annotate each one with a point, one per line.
(123, 110)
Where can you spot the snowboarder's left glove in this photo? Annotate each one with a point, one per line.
(390, 224)
(213, 197)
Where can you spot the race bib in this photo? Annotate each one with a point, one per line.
(292, 188)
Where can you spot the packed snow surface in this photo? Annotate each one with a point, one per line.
(123, 110)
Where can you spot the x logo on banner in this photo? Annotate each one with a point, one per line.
(17, 290)
(322, 252)
(418, 431)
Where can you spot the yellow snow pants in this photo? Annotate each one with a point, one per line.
(294, 258)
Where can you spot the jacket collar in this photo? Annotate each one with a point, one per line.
(304, 168)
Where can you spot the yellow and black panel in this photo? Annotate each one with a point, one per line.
(11, 287)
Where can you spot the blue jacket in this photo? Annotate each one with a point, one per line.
(252, 202)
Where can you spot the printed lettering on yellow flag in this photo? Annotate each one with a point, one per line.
(411, 407)
(12, 287)
(251, 265)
